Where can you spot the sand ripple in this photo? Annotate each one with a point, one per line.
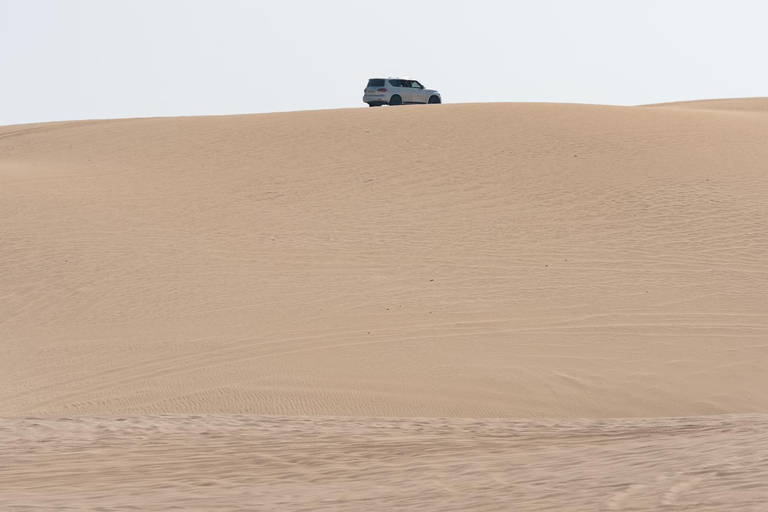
(339, 464)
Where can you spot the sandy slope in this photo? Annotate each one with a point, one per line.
(475, 261)
(495, 260)
(289, 464)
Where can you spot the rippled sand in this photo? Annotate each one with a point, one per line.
(319, 463)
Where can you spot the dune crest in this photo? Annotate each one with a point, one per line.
(758, 105)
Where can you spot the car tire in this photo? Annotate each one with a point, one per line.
(434, 100)
(374, 104)
(396, 100)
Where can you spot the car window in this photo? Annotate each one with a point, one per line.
(396, 83)
(417, 85)
(375, 82)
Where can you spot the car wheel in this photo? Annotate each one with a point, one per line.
(396, 100)
(434, 99)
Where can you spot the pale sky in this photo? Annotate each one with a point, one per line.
(95, 59)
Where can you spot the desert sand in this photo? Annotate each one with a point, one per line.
(453, 307)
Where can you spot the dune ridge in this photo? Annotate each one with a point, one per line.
(746, 105)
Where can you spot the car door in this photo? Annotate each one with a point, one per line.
(418, 94)
(405, 91)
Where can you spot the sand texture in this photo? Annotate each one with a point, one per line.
(491, 261)
(160, 463)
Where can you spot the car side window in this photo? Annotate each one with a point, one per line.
(396, 83)
(416, 85)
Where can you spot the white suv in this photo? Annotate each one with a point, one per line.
(398, 91)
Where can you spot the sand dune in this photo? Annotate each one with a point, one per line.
(508, 260)
(274, 274)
